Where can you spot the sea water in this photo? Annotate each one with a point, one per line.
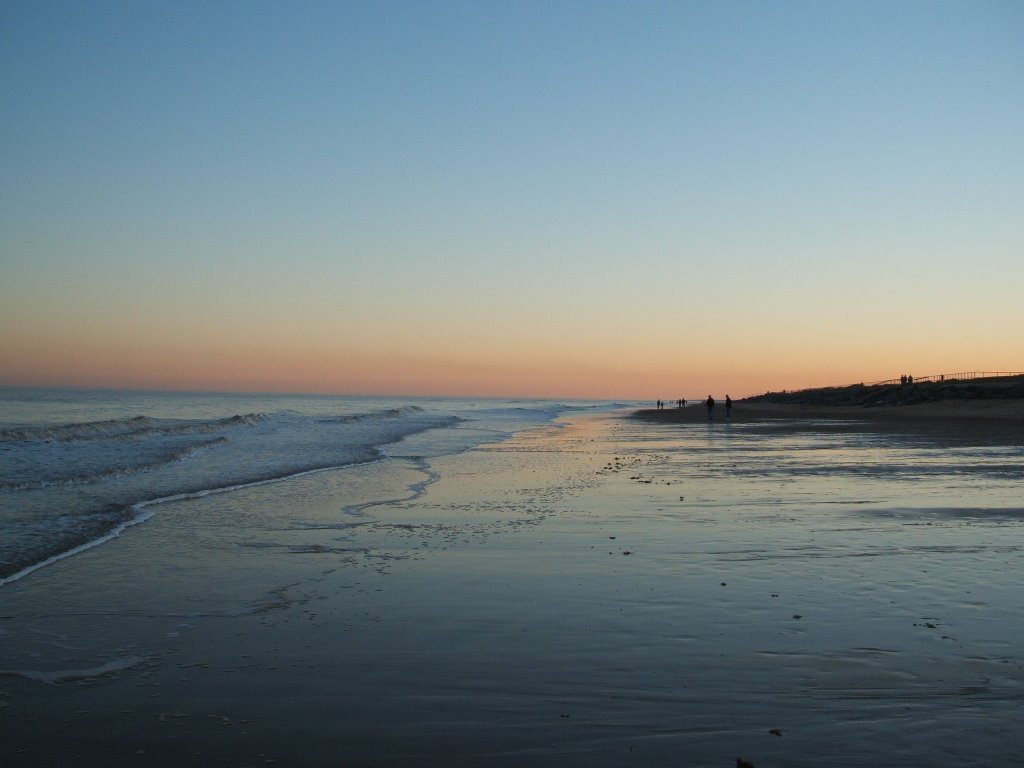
(78, 467)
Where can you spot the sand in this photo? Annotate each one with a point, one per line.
(607, 592)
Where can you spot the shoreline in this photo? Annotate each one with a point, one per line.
(141, 514)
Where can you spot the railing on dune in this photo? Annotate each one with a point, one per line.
(963, 376)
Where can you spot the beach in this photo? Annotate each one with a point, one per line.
(612, 588)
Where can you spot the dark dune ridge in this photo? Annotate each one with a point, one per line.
(1002, 388)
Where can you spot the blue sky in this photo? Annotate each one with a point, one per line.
(530, 196)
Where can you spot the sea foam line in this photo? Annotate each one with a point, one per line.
(142, 514)
(73, 675)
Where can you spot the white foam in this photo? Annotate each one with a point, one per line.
(70, 675)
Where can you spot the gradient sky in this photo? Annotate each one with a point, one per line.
(569, 199)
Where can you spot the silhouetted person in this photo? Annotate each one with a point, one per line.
(910, 379)
(710, 403)
(728, 407)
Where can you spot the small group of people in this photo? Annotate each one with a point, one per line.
(679, 404)
(710, 404)
(906, 379)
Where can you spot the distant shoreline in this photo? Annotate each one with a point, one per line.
(992, 420)
(982, 401)
(938, 410)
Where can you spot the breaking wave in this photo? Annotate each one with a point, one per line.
(126, 429)
(388, 413)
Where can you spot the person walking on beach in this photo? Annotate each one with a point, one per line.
(710, 403)
(728, 407)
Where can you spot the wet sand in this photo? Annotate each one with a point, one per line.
(609, 592)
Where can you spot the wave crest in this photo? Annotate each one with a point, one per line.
(125, 429)
(388, 413)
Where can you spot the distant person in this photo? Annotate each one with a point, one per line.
(710, 403)
(728, 407)
(910, 379)
(903, 380)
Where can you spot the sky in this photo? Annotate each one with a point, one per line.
(528, 198)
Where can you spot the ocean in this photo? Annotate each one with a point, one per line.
(78, 467)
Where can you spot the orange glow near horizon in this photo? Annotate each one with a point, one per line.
(633, 372)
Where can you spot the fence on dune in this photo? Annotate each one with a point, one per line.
(964, 376)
